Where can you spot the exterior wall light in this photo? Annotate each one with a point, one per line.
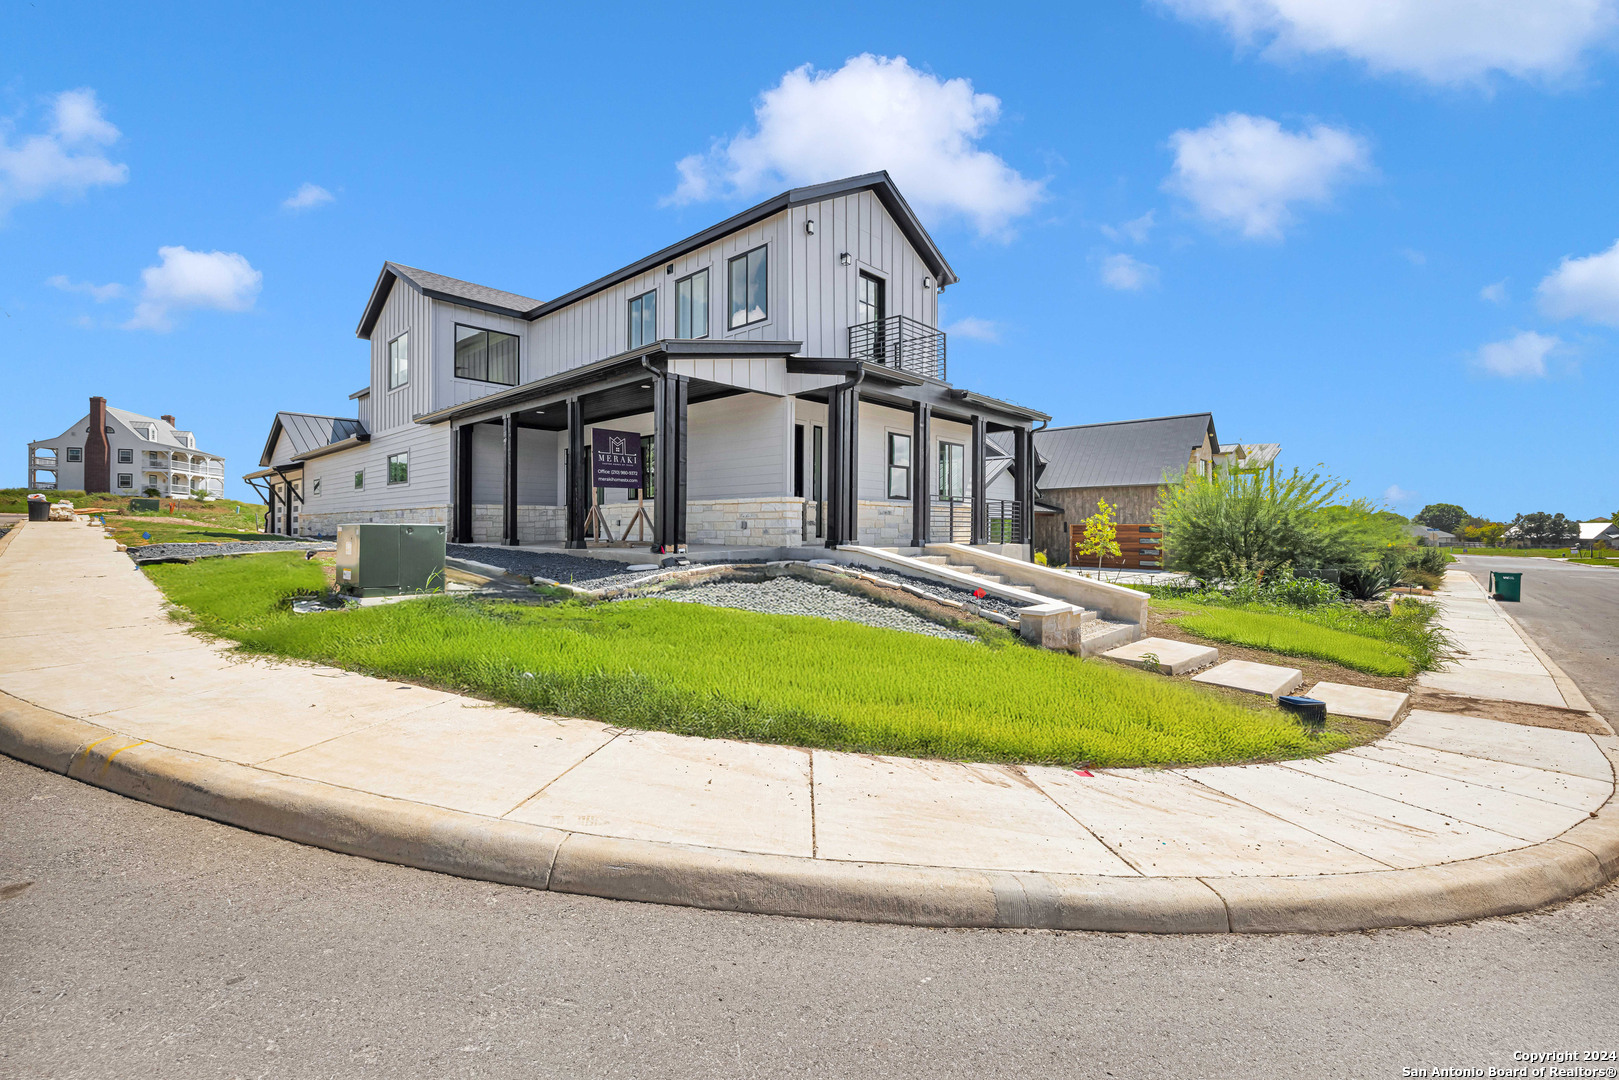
(927, 283)
(669, 269)
(809, 226)
(845, 259)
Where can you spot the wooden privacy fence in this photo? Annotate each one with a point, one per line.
(1141, 547)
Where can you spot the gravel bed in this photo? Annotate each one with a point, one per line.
(568, 569)
(795, 596)
(947, 592)
(166, 552)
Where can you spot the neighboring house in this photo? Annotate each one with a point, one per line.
(1248, 457)
(124, 453)
(1593, 533)
(784, 366)
(1431, 537)
(1126, 463)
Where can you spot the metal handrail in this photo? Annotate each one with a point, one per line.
(902, 342)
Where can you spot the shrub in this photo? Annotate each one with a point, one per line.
(1229, 525)
(1040, 557)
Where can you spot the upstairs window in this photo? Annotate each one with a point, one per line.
(485, 355)
(691, 306)
(750, 282)
(126, 457)
(75, 453)
(899, 466)
(644, 319)
(399, 361)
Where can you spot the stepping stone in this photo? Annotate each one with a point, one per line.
(1267, 679)
(1174, 657)
(1361, 702)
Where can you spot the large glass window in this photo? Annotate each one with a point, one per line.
(399, 468)
(691, 306)
(644, 319)
(952, 476)
(399, 361)
(899, 466)
(750, 281)
(485, 355)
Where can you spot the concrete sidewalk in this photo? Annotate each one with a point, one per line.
(1449, 817)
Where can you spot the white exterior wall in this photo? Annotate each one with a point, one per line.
(406, 310)
(447, 389)
(202, 470)
(424, 497)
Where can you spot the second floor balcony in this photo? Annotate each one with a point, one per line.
(900, 342)
(42, 461)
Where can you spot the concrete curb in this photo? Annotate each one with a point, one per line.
(511, 853)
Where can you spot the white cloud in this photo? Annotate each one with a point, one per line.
(1495, 293)
(307, 197)
(1520, 356)
(872, 113)
(66, 160)
(1414, 257)
(975, 328)
(1587, 288)
(101, 293)
(1395, 495)
(193, 279)
(1246, 172)
(1127, 274)
(1442, 41)
(1135, 230)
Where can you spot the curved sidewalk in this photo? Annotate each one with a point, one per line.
(1449, 817)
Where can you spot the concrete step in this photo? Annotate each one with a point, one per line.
(936, 560)
(996, 578)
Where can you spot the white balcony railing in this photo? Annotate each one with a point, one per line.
(40, 462)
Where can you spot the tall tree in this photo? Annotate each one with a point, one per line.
(1444, 516)
(1541, 529)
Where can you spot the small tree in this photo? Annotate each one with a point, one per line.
(1446, 517)
(1101, 534)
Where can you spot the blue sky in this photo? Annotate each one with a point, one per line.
(1386, 241)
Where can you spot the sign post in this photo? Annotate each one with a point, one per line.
(615, 462)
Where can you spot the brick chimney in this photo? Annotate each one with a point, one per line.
(169, 420)
(97, 461)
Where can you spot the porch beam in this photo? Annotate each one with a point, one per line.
(508, 493)
(980, 484)
(921, 490)
(578, 476)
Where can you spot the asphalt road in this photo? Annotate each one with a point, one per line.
(1572, 611)
(151, 944)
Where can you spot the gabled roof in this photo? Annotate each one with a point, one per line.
(1597, 530)
(1123, 454)
(504, 303)
(308, 432)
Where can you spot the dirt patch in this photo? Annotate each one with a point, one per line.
(1513, 712)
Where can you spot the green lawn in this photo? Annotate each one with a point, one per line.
(175, 531)
(1521, 553)
(698, 670)
(1284, 632)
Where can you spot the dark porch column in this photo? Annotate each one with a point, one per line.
(578, 493)
(669, 396)
(461, 485)
(269, 498)
(508, 494)
(1023, 471)
(843, 466)
(980, 485)
(921, 489)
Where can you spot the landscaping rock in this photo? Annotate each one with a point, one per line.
(794, 596)
(155, 553)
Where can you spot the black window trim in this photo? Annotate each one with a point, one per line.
(75, 453)
(517, 376)
(122, 460)
(630, 319)
(392, 386)
(708, 328)
(889, 466)
(765, 247)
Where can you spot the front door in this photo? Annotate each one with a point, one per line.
(871, 308)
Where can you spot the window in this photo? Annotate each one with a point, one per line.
(899, 466)
(359, 479)
(399, 468)
(869, 307)
(952, 480)
(399, 361)
(649, 470)
(126, 457)
(644, 319)
(317, 486)
(691, 306)
(485, 355)
(126, 479)
(75, 453)
(750, 280)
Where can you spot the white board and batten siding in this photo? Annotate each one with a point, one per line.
(406, 311)
(447, 388)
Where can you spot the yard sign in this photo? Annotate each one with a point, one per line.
(616, 459)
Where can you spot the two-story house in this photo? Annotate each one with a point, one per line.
(124, 453)
(784, 367)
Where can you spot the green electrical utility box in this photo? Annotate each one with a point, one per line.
(388, 560)
(1506, 586)
(143, 506)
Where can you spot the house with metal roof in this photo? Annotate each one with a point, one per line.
(1128, 463)
(778, 379)
(125, 453)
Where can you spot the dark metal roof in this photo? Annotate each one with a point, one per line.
(465, 292)
(1121, 454)
(307, 432)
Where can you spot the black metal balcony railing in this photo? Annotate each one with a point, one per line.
(900, 342)
(950, 521)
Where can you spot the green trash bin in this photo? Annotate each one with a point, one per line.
(1506, 586)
